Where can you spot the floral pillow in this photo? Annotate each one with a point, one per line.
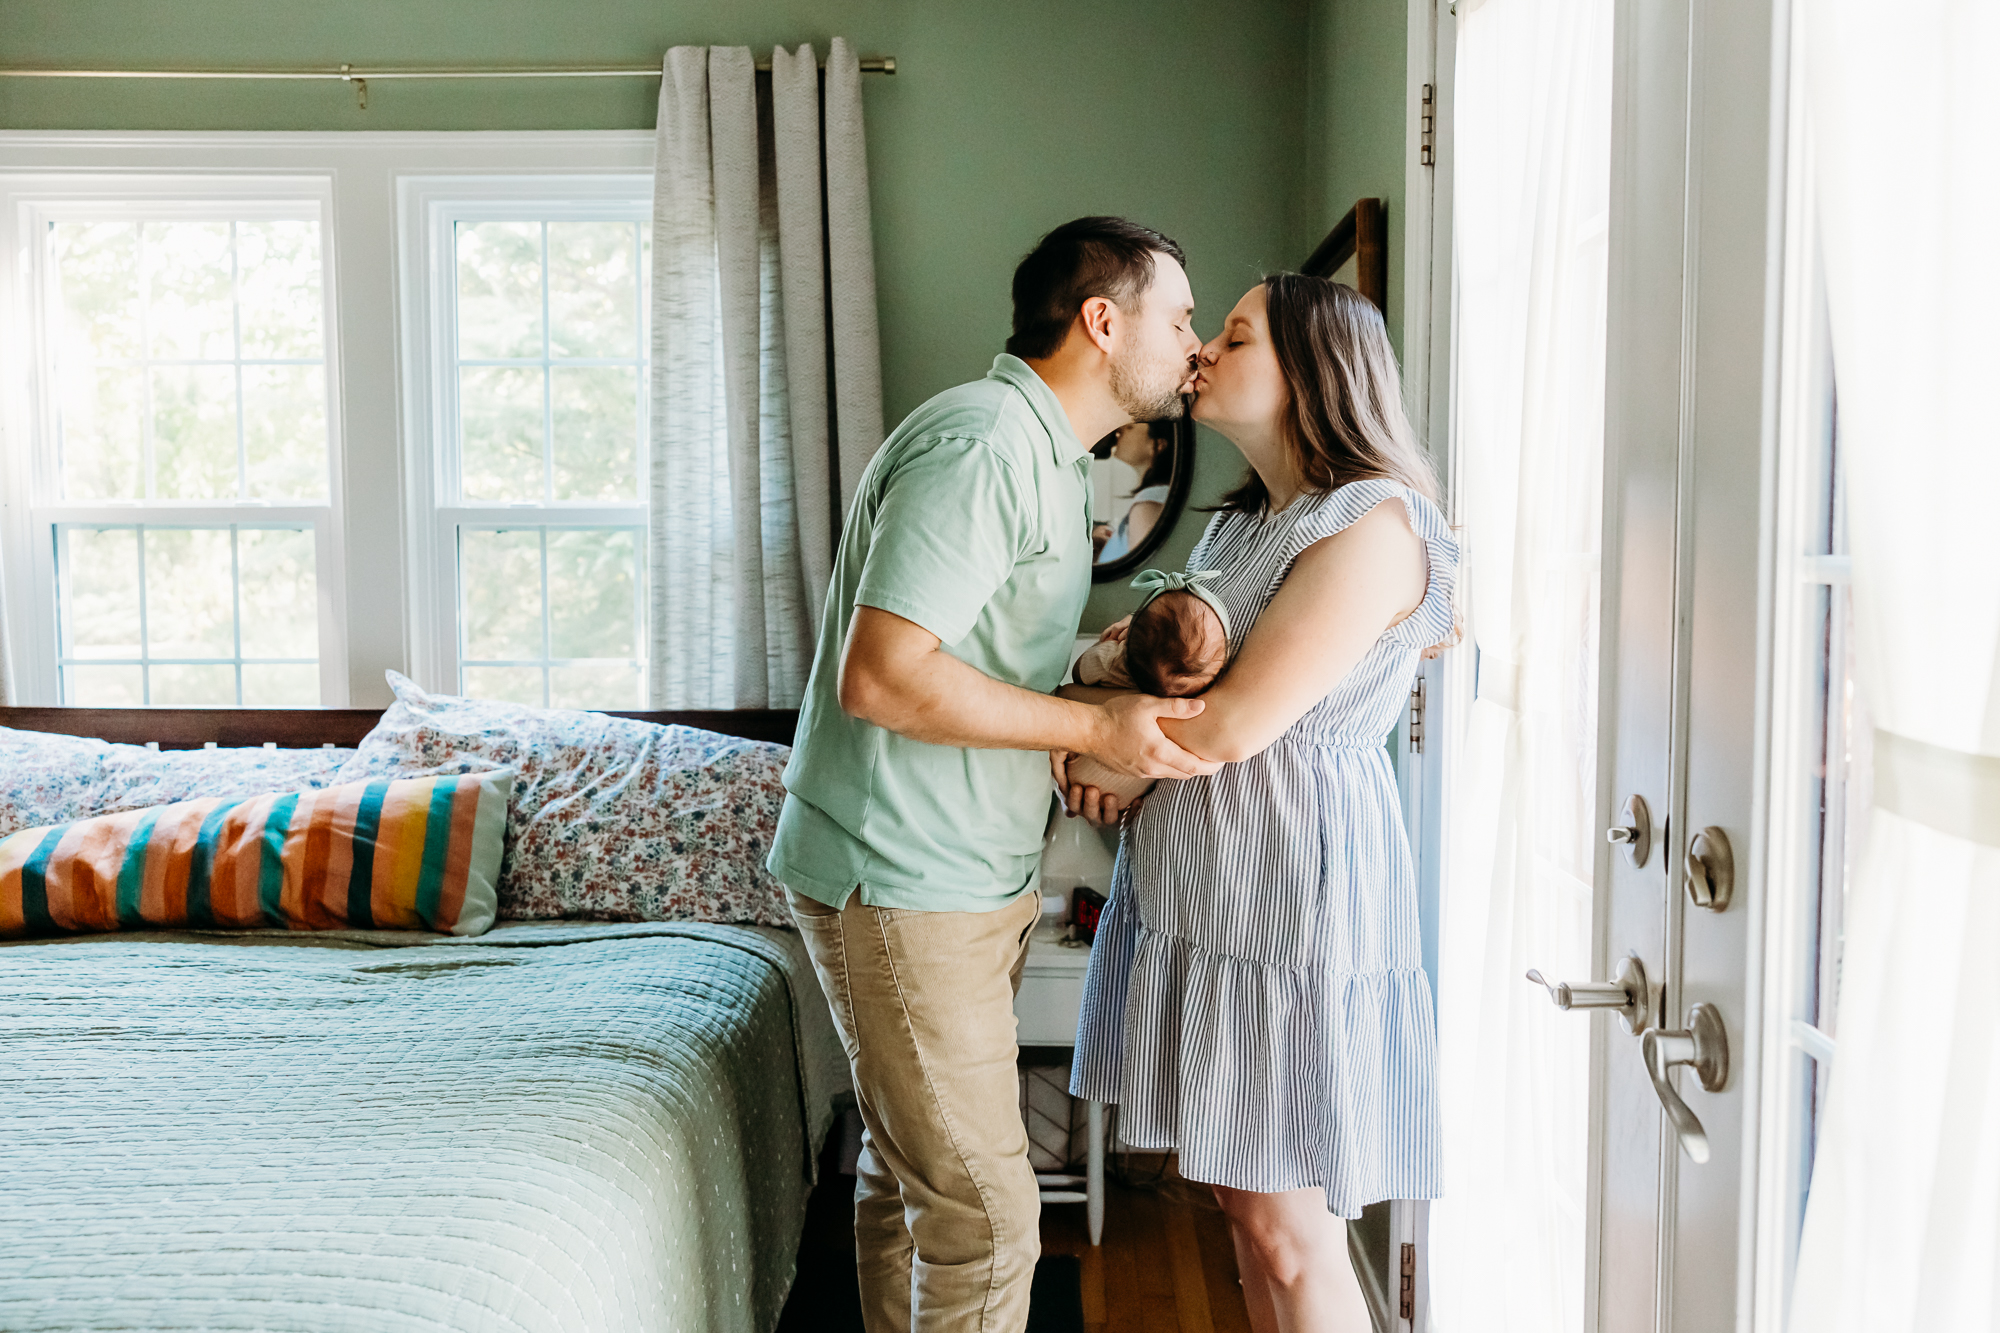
(47, 778)
(611, 819)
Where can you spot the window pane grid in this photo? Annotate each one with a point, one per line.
(549, 356)
(110, 280)
(587, 444)
(119, 648)
(548, 418)
(236, 367)
(589, 594)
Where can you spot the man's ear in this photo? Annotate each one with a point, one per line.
(1098, 321)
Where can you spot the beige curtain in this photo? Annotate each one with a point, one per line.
(766, 390)
(1902, 1226)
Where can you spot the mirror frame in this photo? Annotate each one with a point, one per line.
(1170, 513)
(1363, 236)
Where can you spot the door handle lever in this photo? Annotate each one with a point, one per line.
(1626, 994)
(1702, 1045)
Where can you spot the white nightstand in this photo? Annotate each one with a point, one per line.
(1046, 1007)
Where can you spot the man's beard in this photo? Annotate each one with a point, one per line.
(1149, 389)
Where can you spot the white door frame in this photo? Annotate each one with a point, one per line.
(1428, 380)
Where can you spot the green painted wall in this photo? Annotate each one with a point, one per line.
(1002, 121)
(1355, 123)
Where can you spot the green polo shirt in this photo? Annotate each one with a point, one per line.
(973, 520)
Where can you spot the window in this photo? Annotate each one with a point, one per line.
(537, 366)
(1821, 795)
(282, 412)
(181, 443)
(1821, 773)
(1838, 790)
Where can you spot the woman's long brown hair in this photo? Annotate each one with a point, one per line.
(1345, 420)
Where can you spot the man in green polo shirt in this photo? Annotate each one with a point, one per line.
(919, 788)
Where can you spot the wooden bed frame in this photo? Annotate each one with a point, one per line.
(308, 728)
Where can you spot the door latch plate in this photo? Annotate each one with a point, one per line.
(1633, 832)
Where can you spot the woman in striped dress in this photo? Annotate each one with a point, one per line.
(1256, 1000)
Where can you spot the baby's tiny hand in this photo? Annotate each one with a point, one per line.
(1115, 632)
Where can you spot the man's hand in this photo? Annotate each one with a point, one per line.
(1130, 740)
(894, 674)
(1095, 806)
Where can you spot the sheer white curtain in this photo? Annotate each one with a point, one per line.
(1902, 1228)
(6, 663)
(1531, 193)
(767, 398)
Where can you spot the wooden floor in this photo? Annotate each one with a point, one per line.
(1166, 1263)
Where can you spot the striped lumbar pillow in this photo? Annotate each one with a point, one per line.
(389, 854)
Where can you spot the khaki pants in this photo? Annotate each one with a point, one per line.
(947, 1217)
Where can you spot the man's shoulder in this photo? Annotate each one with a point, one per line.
(988, 413)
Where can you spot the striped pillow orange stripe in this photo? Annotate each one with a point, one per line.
(388, 854)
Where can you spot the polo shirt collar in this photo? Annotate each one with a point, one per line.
(1064, 447)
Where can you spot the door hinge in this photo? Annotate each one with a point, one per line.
(1427, 143)
(1417, 717)
(1407, 1309)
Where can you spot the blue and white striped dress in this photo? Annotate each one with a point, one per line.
(1256, 997)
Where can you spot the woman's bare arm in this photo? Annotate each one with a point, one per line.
(1139, 521)
(1339, 597)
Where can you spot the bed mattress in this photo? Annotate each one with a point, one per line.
(548, 1127)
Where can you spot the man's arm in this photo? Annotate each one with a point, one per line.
(894, 673)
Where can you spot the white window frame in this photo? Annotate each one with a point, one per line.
(1790, 1051)
(36, 510)
(382, 503)
(429, 208)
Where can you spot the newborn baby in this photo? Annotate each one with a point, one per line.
(1174, 645)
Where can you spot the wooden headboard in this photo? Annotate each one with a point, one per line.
(309, 728)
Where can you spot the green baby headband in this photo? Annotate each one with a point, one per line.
(1153, 582)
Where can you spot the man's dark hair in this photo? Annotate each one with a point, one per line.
(1106, 257)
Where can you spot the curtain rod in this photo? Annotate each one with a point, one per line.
(358, 74)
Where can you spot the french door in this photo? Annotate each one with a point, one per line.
(1693, 350)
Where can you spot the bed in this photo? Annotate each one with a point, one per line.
(554, 1125)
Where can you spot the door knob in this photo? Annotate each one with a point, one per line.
(1711, 870)
(1626, 994)
(1633, 832)
(1704, 1046)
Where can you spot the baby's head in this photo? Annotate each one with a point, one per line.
(1175, 645)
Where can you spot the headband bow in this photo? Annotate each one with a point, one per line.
(1153, 582)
